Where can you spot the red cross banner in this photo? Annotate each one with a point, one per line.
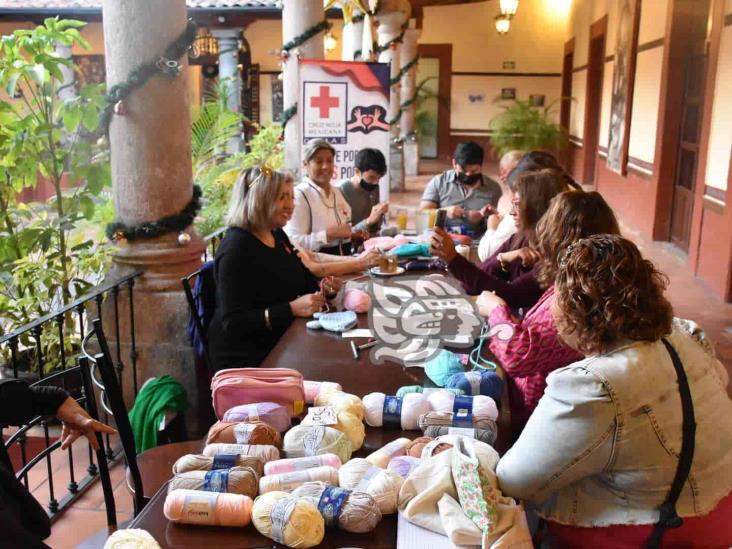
(346, 103)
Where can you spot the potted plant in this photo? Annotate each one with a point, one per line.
(526, 127)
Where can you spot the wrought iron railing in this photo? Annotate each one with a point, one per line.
(69, 325)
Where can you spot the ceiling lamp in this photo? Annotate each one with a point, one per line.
(509, 7)
(503, 24)
(330, 42)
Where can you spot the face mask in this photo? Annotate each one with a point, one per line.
(466, 179)
(368, 187)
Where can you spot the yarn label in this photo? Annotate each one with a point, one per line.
(289, 481)
(392, 411)
(252, 413)
(297, 407)
(224, 461)
(243, 432)
(301, 464)
(280, 516)
(216, 481)
(331, 504)
(461, 431)
(462, 411)
(363, 484)
(474, 380)
(199, 508)
(312, 439)
(322, 415)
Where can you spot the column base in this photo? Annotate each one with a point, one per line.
(411, 157)
(396, 169)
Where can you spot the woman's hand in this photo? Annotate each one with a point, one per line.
(336, 232)
(494, 220)
(527, 256)
(305, 305)
(331, 286)
(76, 422)
(369, 259)
(442, 245)
(377, 211)
(487, 302)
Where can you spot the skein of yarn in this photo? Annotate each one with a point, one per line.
(237, 480)
(131, 538)
(442, 366)
(485, 382)
(243, 433)
(300, 464)
(349, 425)
(286, 482)
(197, 462)
(419, 389)
(435, 447)
(314, 388)
(342, 402)
(382, 456)
(484, 435)
(357, 301)
(291, 521)
(313, 440)
(209, 508)
(463, 406)
(448, 419)
(403, 465)
(262, 451)
(415, 447)
(381, 484)
(355, 512)
(398, 412)
(270, 413)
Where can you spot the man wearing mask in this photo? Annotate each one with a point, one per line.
(468, 195)
(362, 191)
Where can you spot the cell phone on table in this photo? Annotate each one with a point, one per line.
(441, 218)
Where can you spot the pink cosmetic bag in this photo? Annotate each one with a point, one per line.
(236, 386)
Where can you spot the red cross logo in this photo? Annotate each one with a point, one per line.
(324, 102)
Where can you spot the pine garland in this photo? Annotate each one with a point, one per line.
(152, 229)
(300, 39)
(287, 114)
(404, 70)
(396, 40)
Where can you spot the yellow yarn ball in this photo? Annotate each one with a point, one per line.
(314, 440)
(342, 402)
(349, 425)
(302, 524)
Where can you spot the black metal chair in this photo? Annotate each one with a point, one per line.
(200, 286)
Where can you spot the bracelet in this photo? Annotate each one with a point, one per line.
(266, 320)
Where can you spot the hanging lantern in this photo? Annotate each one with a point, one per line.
(503, 24)
(509, 8)
(330, 42)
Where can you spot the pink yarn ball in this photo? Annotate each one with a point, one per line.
(357, 301)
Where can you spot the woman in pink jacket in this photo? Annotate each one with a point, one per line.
(534, 348)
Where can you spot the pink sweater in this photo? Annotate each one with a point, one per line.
(529, 355)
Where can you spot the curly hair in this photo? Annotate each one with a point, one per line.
(571, 215)
(607, 293)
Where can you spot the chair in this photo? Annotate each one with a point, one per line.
(200, 290)
(148, 471)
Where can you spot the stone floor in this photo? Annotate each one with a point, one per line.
(690, 297)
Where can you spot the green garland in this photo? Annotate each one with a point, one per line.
(408, 103)
(287, 114)
(300, 39)
(152, 229)
(166, 64)
(404, 70)
(396, 40)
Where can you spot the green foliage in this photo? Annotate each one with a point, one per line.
(49, 252)
(522, 126)
(424, 122)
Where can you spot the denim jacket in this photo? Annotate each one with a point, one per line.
(602, 446)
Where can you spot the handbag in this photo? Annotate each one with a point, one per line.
(235, 386)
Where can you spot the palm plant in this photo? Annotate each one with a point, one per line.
(523, 126)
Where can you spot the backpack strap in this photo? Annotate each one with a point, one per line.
(668, 517)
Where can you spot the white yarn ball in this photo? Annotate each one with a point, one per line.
(381, 484)
(131, 538)
(413, 406)
(483, 406)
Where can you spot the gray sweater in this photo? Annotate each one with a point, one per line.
(361, 203)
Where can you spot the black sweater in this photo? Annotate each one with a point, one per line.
(252, 277)
(23, 522)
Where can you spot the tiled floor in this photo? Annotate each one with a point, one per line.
(690, 297)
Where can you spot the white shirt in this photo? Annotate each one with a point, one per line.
(494, 238)
(314, 213)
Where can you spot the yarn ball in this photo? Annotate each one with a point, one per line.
(243, 433)
(209, 508)
(349, 425)
(313, 440)
(486, 382)
(297, 521)
(484, 435)
(300, 464)
(482, 406)
(314, 388)
(357, 301)
(403, 465)
(197, 462)
(382, 456)
(286, 482)
(270, 413)
(262, 451)
(419, 389)
(444, 365)
(414, 448)
(131, 538)
(237, 480)
(435, 447)
(383, 485)
(342, 402)
(447, 419)
(358, 512)
(407, 409)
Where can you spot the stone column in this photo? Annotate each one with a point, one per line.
(407, 54)
(297, 17)
(151, 178)
(66, 89)
(391, 18)
(228, 40)
(352, 38)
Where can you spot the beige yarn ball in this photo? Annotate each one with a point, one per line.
(197, 462)
(359, 512)
(313, 440)
(131, 538)
(241, 480)
(286, 482)
(262, 451)
(381, 484)
(349, 425)
(291, 521)
(342, 402)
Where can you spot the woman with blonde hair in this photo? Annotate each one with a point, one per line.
(261, 282)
